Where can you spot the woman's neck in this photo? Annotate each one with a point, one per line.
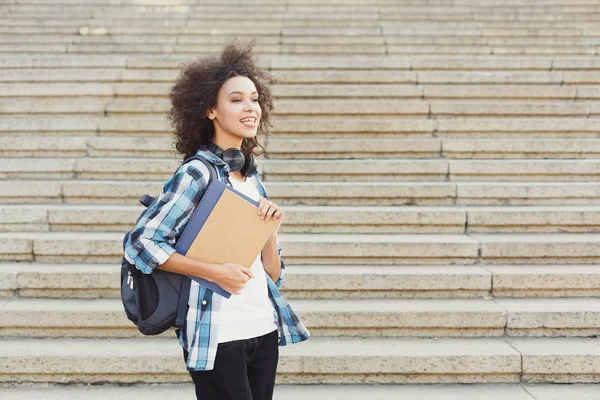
(227, 142)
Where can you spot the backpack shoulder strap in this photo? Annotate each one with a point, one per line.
(211, 168)
(186, 282)
(146, 199)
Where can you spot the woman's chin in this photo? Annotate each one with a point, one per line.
(249, 134)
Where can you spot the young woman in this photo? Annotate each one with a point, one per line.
(230, 346)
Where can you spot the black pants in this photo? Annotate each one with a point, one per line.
(243, 370)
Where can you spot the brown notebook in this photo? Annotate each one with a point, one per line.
(225, 228)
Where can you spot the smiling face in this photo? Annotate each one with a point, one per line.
(237, 113)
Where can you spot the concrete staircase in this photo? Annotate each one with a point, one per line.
(438, 163)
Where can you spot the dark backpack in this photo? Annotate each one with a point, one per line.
(157, 301)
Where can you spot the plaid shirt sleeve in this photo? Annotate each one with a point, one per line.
(153, 238)
(278, 283)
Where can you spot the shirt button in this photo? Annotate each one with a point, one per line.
(203, 302)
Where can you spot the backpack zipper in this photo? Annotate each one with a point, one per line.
(129, 279)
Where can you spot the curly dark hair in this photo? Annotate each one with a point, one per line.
(196, 90)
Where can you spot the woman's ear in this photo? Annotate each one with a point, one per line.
(210, 114)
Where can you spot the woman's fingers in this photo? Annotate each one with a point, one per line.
(278, 214)
(268, 210)
(263, 206)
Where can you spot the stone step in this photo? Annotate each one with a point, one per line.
(532, 41)
(259, 50)
(300, 11)
(332, 318)
(304, 62)
(25, 30)
(339, 26)
(319, 219)
(271, 40)
(34, 146)
(320, 193)
(351, 108)
(217, 17)
(534, 248)
(318, 127)
(393, 170)
(514, 391)
(160, 147)
(449, 27)
(337, 249)
(544, 280)
(318, 360)
(300, 248)
(408, 15)
(323, 62)
(481, 7)
(20, 78)
(200, 28)
(288, 77)
(300, 18)
(344, 27)
(436, 170)
(47, 280)
(416, 49)
(214, 20)
(143, 90)
(345, 148)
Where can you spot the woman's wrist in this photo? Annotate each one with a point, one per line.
(215, 273)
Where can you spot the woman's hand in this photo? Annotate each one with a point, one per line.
(233, 277)
(268, 211)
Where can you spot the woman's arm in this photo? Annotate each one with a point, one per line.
(181, 264)
(271, 252)
(230, 276)
(270, 259)
(152, 240)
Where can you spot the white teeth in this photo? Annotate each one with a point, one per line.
(248, 120)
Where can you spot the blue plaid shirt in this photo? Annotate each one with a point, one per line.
(152, 242)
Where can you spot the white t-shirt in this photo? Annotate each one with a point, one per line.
(250, 313)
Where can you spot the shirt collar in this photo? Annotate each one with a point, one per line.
(212, 157)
